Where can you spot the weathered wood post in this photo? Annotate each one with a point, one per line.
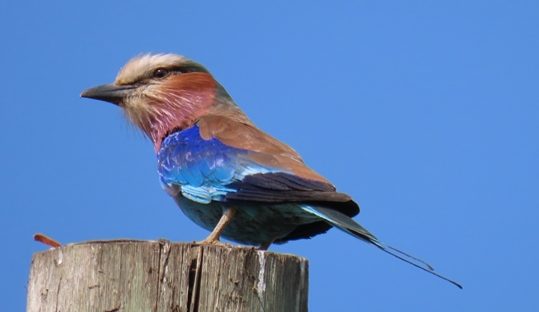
(125, 275)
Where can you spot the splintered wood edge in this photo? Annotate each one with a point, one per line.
(170, 243)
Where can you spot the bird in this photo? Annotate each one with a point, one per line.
(227, 175)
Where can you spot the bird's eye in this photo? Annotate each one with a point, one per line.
(160, 73)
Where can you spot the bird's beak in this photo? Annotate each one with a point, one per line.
(109, 93)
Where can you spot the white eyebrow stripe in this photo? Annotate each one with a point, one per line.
(139, 66)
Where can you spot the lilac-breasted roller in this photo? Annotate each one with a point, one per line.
(227, 175)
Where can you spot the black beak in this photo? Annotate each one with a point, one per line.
(108, 93)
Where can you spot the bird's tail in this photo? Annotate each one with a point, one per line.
(348, 225)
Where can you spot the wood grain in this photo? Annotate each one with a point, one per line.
(126, 275)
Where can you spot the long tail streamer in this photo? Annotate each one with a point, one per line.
(348, 225)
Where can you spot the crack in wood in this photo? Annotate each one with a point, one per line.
(195, 273)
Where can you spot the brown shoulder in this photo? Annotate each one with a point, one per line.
(262, 147)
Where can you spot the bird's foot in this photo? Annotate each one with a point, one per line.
(213, 242)
(213, 238)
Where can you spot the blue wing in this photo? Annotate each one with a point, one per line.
(202, 168)
(207, 170)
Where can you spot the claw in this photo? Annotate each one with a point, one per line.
(210, 242)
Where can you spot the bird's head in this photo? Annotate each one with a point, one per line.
(163, 92)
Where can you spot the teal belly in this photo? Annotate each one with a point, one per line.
(252, 224)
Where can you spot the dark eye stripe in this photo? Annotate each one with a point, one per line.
(163, 72)
(184, 69)
(188, 69)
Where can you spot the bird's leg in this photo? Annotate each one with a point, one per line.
(213, 238)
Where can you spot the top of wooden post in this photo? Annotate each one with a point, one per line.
(129, 275)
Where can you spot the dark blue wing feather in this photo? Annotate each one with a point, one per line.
(208, 170)
(201, 168)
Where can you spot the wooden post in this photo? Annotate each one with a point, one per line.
(126, 275)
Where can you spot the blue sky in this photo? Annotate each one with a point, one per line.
(426, 113)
